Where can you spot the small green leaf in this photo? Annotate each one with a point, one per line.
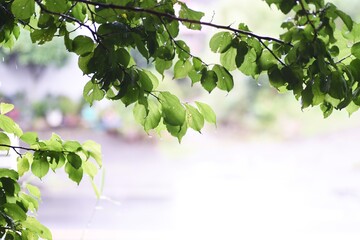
(74, 160)
(355, 50)
(177, 131)
(14, 211)
(92, 92)
(33, 190)
(276, 78)
(172, 110)
(94, 150)
(207, 112)
(182, 69)
(190, 14)
(23, 165)
(74, 174)
(194, 118)
(23, 9)
(40, 168)
(35, 226)
(346, 19)
(228, 59)
(82, 45)
(71, 146)
(209, 80)
(5, 108)
(220, 42)
(4, 140)
(32, 202)
(9, 126)
(90, 169)
(4, 172)
(57, 5)
(225, 80)
(241, 51)
(307, 97)
(30, 138)
(327, 109)
(161, 65)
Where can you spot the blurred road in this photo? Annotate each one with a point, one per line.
(211, 187)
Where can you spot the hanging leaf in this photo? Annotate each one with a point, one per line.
(225, 80)
(172, 110)
(195, 119)
(207, 112)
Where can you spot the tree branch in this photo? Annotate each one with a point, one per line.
(183, 20)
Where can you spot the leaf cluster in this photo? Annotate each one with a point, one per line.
(40, 156)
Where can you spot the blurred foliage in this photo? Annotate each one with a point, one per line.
(25, 53)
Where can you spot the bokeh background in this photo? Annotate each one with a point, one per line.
(268, 170)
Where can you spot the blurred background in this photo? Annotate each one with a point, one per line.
(267, 170)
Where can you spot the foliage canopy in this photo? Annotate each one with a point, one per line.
(317, 58)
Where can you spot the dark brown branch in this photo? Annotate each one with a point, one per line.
(184, 20)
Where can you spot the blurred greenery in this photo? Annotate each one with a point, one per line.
(27, 54)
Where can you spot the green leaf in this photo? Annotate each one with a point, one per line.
(74, 174)
(182, 50)
(209, 80)
(23, 165)
(30, 138)
(33, 190)
(194, 76)
(14, 211)
(190, 14)
(90, 169)
(207, 112)
(227, 59)
(241, 51)
(35, 226)
(225, 80)
(249, 66)
(149, 117)
(355, 50)
(94, 150)
(153, 78)
(82, 45)
(78, 11)
(9, 126)
(23, 9)
(74, 160)
(172, 110)
(194, 118)
(40, 167)
(276, 78)
(346, 19)
(92, 92)
(177, 131)
(351, 108)
(161, 65)
(131, 95)
(182, 69)
(5, 108)
(327, 109)
(4, 172)
(57, 5)
(307, 96)
(32, 203)
(220, 42)
(71, 146)
(4, 139)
